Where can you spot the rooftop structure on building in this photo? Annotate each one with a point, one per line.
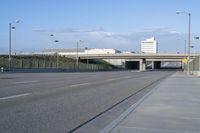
(149, 45)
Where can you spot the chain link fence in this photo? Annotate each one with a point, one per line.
(194, 66)
(47, 62)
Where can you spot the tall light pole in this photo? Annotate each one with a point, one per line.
(185, 49)
(56, 53)
(185, 43)
(57, 56)
(86, 48)
(77, 50)
(189, 32)
(10, 41)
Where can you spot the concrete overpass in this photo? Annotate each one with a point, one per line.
(138, 61)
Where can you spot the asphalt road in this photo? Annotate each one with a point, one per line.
(59, 102)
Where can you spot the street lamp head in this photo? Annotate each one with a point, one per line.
(184, 12)
(178, 12)
(56, 41)
(81, 41)
(17, 21)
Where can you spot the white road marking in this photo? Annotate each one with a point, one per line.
(127, 77)
(14, 96)
(76, 85)
(135, 71)
(25, 82)
(112, 79)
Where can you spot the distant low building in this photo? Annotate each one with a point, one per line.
(150, 45)
(129, 52)
(102, 51)
(64, 51)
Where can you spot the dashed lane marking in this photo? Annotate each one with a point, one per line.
(14, 96)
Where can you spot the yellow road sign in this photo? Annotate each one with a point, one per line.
(184, 60)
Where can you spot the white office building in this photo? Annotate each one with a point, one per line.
(150, 45)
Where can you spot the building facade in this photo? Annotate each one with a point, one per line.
(150, 45)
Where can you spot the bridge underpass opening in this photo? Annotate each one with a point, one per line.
(171, 65)
(132, 65)
(157, 64)
(166, 65)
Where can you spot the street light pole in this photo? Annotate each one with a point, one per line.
(185, 43)
(57, 60)
(56, 53)
(185, 49)
(9, 58)
(57, 56)
(77, 50)
(87, 55)
(189, 32)
(189, 43)
(10, 42)
(77, 54)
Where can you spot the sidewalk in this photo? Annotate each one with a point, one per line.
(172, 107)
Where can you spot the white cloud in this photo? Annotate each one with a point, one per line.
(161, 29)
(39, 30)
(129, 41)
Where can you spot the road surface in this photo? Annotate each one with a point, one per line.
(60, 102)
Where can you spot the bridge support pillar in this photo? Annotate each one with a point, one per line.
(142, 65)
(153, 65)
(183, 65)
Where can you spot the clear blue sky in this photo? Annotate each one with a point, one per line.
(119, 24)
